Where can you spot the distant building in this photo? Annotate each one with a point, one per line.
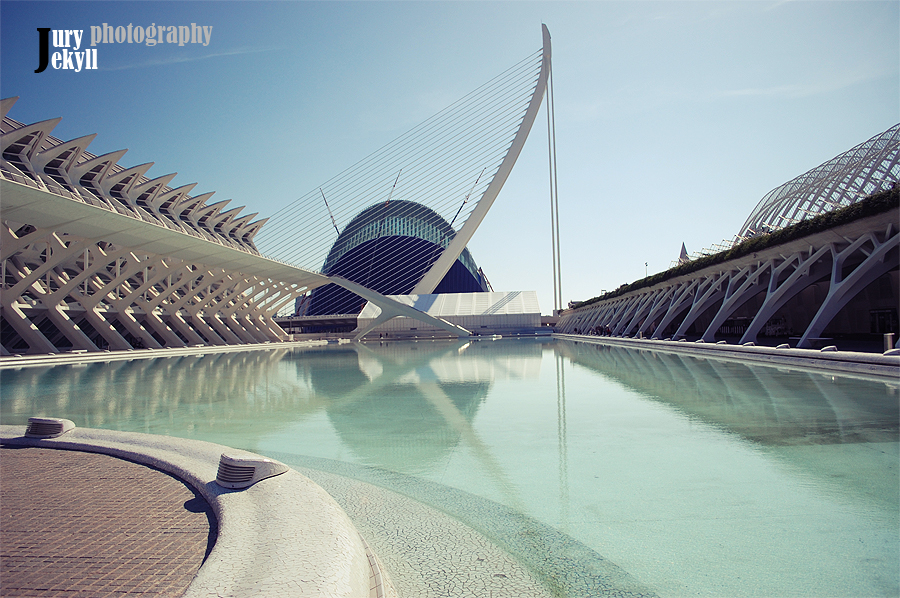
(388, 247)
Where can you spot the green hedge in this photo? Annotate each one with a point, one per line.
(870, 206)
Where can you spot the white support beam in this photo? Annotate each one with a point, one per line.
(391, 308)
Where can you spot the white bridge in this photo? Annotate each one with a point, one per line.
(96, 256)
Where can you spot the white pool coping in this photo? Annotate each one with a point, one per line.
(283, 536)
(8, 362)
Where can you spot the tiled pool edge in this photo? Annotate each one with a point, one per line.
(284, 536)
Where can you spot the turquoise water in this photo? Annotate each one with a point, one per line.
(697, 477)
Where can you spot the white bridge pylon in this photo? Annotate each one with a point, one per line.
(453, 165)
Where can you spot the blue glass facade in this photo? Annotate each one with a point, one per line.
(388, 247)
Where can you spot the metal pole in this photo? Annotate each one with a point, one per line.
(556, 298)
(556, 193)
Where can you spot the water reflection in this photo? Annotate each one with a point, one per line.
(758, 402)
(182, 396)
(402, 394)
(702, 477)
(423, 397)
(406, 407)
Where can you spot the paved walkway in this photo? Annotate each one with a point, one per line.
(80, 524)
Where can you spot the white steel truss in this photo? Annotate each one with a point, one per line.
(96, 256)
(32, 157)
(864, 170)
(66, 292)
(849, 258)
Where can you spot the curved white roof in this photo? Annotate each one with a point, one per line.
(33, 157)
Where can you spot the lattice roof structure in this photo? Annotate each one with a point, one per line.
(869, 167)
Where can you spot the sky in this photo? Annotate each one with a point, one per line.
(673, 119)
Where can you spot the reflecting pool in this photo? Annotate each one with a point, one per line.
(697, 477)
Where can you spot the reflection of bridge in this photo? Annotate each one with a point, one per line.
(96, 256)
(398, 405)
(811, 279)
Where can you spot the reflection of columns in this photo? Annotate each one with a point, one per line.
(742, 390)
(773, 387)
(682, 378)
(437, 397)
(562, 440)
(456, 420)
(842, 405)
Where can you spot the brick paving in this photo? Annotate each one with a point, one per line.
(86, 525)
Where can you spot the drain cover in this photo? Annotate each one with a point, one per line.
(47, 427)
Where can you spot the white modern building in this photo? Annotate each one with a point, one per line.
(838, 276)
(483, 314)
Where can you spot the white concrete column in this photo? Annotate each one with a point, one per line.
(804, 271)
(742, 287)
(843, 288)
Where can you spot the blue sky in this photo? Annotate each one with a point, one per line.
(673, 118)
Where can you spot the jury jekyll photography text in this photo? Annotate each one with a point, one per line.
(70, 56)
